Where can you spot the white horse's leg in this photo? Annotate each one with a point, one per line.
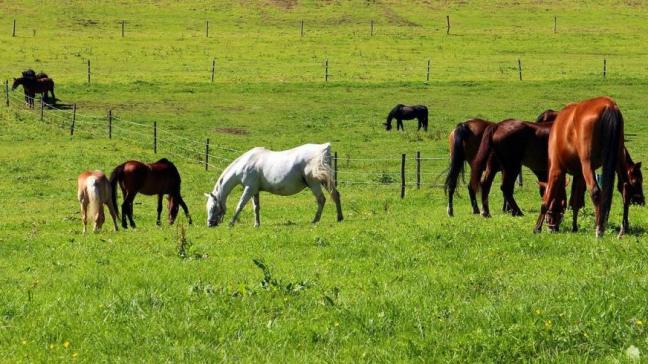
(335, 195)
(316, 187)
(255, 202)
(247, 194)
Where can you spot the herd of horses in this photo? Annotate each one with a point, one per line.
(576, 140)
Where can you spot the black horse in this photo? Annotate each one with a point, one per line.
(401, 112)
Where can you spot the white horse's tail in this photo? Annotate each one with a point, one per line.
(93, 190)
(321, 168)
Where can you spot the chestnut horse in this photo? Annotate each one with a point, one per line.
(513, 144)
(159, 178)
(585, 136)
(93, 191)
(464, 141)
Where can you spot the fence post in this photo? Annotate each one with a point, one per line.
(402, 192)
(520, 68)
(372, 27)
(213, 69)
(448, 21)
(73, 119)
(418, 170)
(335, 169)
(326, 74)
(88, 72)
(207, 28)
(42, 108)
(7, 92)
(555, 23)
(301, 33)
(155, 137)
(604, 67)
(13, 33)
(427, 76)
(122, 24)
(207, 155)
(109, 123)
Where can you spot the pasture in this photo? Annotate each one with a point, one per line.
(397, 280)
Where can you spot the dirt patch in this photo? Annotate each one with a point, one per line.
(235, 131)
(286, 4)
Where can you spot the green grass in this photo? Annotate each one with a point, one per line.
(397, 280)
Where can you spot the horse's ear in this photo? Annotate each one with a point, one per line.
(637, 166)
(542, 184)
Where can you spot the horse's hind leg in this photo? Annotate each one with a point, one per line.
(127, 210)
(113, 213)
(257, 208)
(100, 217)
(577, 199)
(319, 197)
(83, 202)
(508, 184)
(159, 209)
(486, 185)
(335, 196)
(247, 194)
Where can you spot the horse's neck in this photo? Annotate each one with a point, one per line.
(225, 185)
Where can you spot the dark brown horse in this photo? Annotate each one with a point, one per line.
(159, 178)
(464, 142)
(401, 112)
(33, 86)
(30, 73)
(585, 136)
(513, 144)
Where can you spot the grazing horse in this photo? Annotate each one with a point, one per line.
(401, 112)
(159, 178)
(33, 86)
(282, 173)
(30, 73)
(585, 136)
(513, 143)
(94, 190)
(464, 142)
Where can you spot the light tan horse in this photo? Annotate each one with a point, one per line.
(93, 192)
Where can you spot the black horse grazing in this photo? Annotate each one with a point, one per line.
(31, 74)
(401, 112)
(33, 86)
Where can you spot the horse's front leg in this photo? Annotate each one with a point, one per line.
(316, 187)
(399, 125)
(247, 194)
(257, 208)
(577, 199)
(625, 224)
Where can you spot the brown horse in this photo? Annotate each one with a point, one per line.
(402, 112)
(630, 186)
(93, 191)
(464, 141)
(513, 144)
(585, 136)
(157, 178)
(33, 86)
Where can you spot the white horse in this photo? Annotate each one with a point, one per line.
(281, 173)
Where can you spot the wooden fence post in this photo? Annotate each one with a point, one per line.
(155, 137)
(402, 192)
(335, 169)
(520, 68)
(109, 123)
(427, 76)
(604, 68)
(372, 27)
(207, 28)
(213, 69)
(7, 92)
(73, 119)
(42, 108)
(122, 26)
(448, 21)
(301, 33)
(13, 33)
(207, 155)
(418, 170)
(555, 24)
(326, 74)
(88, 72)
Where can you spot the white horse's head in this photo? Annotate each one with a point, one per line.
(215, 210)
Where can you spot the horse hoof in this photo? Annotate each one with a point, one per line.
(486, 214)
(340, 218)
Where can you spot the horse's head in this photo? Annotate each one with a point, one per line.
(388, 125)
(556, 208)
(634, 184)
(16, 83)
(215, 210)
(547, 116)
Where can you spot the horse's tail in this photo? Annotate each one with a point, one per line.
(611, 134)
(116, 176)
(321, 168)
(457, 156)
(479, 163)
(93, 189)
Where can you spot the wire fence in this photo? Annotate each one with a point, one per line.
(380, 171)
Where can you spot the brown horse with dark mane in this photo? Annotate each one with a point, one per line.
(33, 86)
(159, 178)
(513, 144)
(464, 142)
(585, 136)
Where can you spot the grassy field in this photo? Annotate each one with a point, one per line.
(397, 280)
